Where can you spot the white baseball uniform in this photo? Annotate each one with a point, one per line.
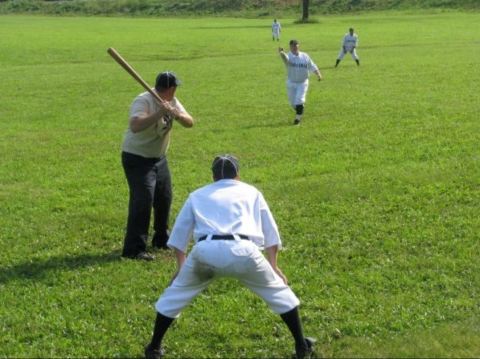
(349, 44)
(225, 207)
(276, 28)
(298, 69)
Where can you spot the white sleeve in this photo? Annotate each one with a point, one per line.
(312, 67)
(269, 226)
(183, 227)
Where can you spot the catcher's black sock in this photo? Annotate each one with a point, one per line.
(161, 326)
(336, 63)
(292, 320)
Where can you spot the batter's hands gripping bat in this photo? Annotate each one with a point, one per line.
(122, 62)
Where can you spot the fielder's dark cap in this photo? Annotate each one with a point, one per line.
(165, 80)
(294, 42)
(225, 166)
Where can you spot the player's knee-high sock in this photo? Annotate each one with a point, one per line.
(292, 320)
(299, 111)
(162, 323)
(336, 63)
(358, 62)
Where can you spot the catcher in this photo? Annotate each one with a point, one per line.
(230, 223)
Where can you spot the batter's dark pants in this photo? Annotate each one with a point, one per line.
(150, 186)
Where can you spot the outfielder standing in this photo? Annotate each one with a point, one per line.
(299, 65)
(145, 164)
(349, 44)
(276, 29)
(230, 223)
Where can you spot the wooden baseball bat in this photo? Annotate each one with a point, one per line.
(122, 62)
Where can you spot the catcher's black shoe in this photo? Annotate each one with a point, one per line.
(296, 121)
(305, 351)
(151, 353)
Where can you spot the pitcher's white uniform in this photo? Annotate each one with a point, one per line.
(225, 207)
(349, 44)
(298, 68)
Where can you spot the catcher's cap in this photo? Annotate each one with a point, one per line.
(165, 80)
(225, 166)
(294, 42)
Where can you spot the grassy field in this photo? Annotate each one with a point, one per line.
(376, 194)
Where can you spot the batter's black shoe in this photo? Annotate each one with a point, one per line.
(296, 121)
(159, 241)
(160, 246)
(151, 353)
(144, 256)
(305, 351)
(141, 256)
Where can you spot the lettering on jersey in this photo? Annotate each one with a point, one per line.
(298, 64)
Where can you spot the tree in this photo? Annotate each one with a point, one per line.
(306, 4)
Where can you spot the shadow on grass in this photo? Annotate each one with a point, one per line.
(38, 269)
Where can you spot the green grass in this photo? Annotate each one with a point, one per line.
(376, 194)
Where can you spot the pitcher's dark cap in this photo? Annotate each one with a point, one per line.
(294, 42)
(225, 166)
(165, 80)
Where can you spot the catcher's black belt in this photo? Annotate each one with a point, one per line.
(227, 237)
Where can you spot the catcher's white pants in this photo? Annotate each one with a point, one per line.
(297, 92)
(353, 52)
(240, 259)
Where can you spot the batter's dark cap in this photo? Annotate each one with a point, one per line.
(165, 80)
(294, 42)
(225, 166)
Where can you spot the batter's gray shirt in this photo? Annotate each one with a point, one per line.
(153, 141)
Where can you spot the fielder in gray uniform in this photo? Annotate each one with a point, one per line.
(349, 44)
(230, 223)
(299, 65)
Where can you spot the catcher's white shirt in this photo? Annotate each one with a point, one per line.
(226, 206)
(299, 67)
(350, 41)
